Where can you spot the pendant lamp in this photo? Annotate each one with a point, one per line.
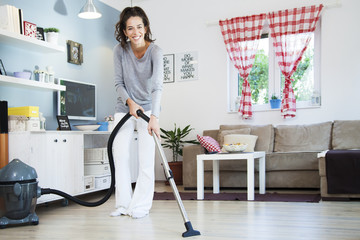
(89, 11)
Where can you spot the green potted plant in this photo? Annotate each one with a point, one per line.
(275, 102)
(52, 35)
(174, 140)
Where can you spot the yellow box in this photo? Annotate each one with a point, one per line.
(28, 111)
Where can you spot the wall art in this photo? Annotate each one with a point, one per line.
(169, 68)
(74, 52)
(186, 66)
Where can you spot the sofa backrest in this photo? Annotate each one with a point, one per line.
(346, 134)
(306, 137)
(265, 133)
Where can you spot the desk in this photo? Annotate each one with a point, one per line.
(248, 156)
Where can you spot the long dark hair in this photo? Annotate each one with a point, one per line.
(121, 25)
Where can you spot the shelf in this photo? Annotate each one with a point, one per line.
(26, 83)
(28, 43)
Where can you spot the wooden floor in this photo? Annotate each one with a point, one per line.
(214, 219)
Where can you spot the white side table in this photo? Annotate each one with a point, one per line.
(249, 157)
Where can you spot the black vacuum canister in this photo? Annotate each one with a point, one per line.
(19, 192)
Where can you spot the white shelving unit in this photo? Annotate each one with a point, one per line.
(31, 84)
(32, 44)
(29, 43)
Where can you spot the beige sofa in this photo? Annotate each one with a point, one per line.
(291, 156)
(345, 136)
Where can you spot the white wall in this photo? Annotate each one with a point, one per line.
(180, 26)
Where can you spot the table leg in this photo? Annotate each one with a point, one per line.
(250, 179)
(262, 176)
(200, 179)
(216, 178)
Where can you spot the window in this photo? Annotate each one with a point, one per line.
(266, 79)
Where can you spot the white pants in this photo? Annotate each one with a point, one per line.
(139, 201)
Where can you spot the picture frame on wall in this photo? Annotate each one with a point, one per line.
(169, 74)
(186, 66)
(2, 69)
(74, 52)
(63, 123)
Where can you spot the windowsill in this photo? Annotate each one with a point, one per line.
(267, 108)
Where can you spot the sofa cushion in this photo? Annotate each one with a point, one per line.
(250, 140)
(291, 161)
(210, 144)
(223, 133)
(265, 133)
(346, 134)
(311, 137)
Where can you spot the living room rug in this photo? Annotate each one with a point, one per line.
(268, 197)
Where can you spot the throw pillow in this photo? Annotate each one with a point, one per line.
(223, 133)
(250, 140)
(210, 144)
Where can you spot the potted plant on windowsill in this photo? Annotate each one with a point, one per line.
(275, 102)
(174, 140)
(52, 35)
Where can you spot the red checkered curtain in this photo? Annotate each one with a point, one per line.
(291, 33)
(241, 37)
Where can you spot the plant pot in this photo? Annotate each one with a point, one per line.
(275, 103)
(176, 168)
(52, 37)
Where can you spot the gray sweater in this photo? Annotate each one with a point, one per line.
(139, 79)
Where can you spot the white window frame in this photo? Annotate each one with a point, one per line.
(275, 73)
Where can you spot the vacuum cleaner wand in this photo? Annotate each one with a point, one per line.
(189, 229)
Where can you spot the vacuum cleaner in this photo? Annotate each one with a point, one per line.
(19, 188)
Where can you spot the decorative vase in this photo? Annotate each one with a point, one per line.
(52, 37)
(275, 103)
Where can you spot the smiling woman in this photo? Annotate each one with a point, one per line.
(139, 74)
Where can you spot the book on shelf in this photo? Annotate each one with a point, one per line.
(11, 19)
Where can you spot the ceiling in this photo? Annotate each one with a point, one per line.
(121, 4)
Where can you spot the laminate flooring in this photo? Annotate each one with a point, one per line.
(214, 219)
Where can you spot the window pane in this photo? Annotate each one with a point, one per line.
(259, 75)
(303, 84)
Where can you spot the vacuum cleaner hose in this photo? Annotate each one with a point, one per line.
(112, 170)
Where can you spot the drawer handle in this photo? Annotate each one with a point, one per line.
(64, 140)
(55, 140)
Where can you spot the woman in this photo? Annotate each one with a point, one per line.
(138, 64)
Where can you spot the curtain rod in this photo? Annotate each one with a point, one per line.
(337, 3)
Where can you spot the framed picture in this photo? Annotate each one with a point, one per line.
(63, 122)
(186, 66)
(29, 29)
(40, 33)
(2, 69)
(169, 68)
(74, 52)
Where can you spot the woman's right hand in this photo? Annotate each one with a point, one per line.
(133, 106)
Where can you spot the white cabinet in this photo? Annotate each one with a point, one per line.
(58, 158)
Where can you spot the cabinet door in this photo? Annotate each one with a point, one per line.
(19, 147)
(66, 154)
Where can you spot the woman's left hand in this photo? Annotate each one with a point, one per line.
(154, 126)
